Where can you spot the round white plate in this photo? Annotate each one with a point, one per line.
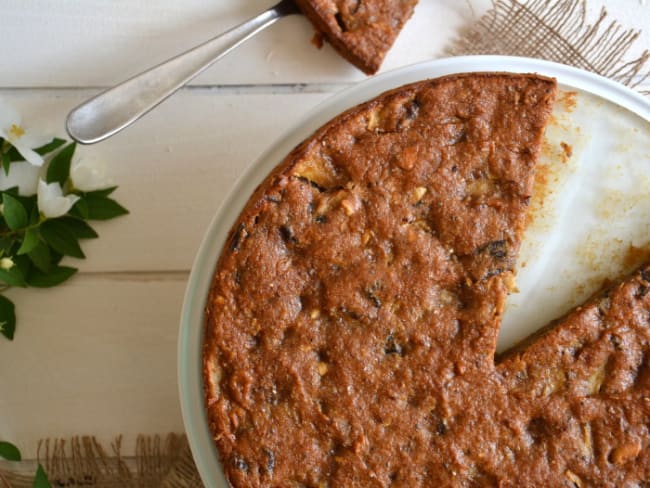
(594, 221)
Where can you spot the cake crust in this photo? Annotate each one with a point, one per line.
(361, 31)
(351, 325)
(352, 320)
(581, 393)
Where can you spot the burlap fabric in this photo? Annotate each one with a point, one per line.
(83, 462)
(556, 30)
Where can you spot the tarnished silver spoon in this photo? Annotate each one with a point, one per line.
(116, 108)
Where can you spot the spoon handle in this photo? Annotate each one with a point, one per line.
(116, 108)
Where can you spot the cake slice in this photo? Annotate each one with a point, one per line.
(352, 320)
(362, 31)
(581, 393)
(570, 407)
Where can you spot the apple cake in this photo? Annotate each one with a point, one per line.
(352, 320)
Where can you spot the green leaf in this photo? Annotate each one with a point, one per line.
(24, 264)
(56, 276)
(35, 215)
(80, 209)
(6, 243)
(102, 193)
(103, 208)
(8, 451)
(59, 169)
(14, 213)
(30, 241)
(59, 237)
(6, 162)
(13, 276)
(79, 228)
(40, 480)
(56, 257)
(28, 202)
(7, 329)
(41, 256)
(50, 146)
(14, 155)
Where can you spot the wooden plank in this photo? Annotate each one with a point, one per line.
(100, 42)
(174, 167)
(94, 356)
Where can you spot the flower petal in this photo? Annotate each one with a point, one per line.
(89, 175)
(8, 115)
(34, 139)
(51, 201)
(22, 139)
(21, 174)
(26, 152)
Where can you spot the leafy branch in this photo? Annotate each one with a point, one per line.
(37, 231)
(47, 198)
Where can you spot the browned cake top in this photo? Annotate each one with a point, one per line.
(362, 31)
(352, 320)
(575, 400)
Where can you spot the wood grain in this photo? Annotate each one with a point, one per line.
(174, 167)
(101, 42)
(95, 356)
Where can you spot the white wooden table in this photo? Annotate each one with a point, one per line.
(98, 354)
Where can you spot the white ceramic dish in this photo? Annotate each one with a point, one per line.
(594, 219)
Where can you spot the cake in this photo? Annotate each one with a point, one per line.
(361, 31)
(352, 320)
(580, 394)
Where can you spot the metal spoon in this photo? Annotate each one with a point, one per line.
(111, 111)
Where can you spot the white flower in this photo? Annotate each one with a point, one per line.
(12, 131)
(89, 175)
(51, 201)
(21, 174)
(6, 263)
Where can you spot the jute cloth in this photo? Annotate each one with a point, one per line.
(555, 30)
(82, 462)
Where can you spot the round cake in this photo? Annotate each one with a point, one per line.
(352, 320)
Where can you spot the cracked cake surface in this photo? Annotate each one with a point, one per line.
(362, 31)
(351, 324)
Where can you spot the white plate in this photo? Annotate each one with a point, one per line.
(596, 205)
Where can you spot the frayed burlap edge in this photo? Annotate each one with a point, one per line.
(83, 462)
(557, 30)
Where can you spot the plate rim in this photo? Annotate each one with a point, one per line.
(191, 327)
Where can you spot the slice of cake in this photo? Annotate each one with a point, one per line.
(362, 31)
(352, 320)
(571, 407)
(580, 394)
